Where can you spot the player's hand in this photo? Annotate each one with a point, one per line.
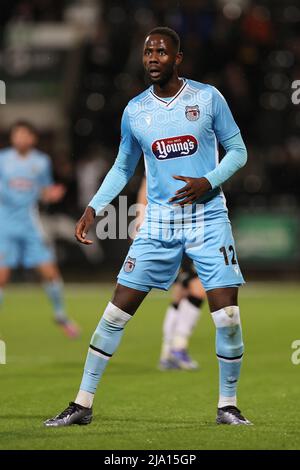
(84, 224)
(193, 190)
(53, 193)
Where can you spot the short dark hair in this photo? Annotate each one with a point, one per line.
(23, 123)
(165, 31)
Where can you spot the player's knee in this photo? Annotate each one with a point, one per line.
(49, 272)
(128, 299)
(196, 289)
(4, 277)
(222, 297)
(114, 315)
(178, 293)
(52, 277)
(3, 283)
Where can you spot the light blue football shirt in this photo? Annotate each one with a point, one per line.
(177, 136)
(21, 181)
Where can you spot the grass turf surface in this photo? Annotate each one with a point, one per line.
(137, 406)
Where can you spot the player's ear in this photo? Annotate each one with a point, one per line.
(179, 58)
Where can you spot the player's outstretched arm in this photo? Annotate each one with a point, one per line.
(115, 180)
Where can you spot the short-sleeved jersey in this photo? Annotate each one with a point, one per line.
(21, 181)
(178, 136)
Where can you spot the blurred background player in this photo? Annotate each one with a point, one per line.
(183, 312)
(26, 178)
(181, 319)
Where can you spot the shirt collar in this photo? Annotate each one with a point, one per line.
(167, 103)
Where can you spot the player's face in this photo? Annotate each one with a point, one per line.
(160, 58)
(22, 139)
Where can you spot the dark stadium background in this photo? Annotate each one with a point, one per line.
(71, 66)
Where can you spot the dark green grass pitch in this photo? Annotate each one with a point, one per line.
(137, 406)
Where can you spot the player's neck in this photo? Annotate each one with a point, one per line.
(169, 89)
(23, 153)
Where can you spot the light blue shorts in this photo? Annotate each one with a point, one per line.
(28, 250)
(155, 262)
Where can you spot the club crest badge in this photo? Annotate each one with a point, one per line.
(192, 113)
(129, 265)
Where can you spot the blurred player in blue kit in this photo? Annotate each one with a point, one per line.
(176, 124)
(26, 178)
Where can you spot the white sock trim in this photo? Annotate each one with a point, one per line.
(169, 325)
(99, 354)
(85, 399)
(230, 361)
(115, 315)
(227, 401)
(180, 342)
(187, 317)
(227, 316)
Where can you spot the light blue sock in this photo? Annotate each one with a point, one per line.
(54, 291)
(104, 343)
(229, 349)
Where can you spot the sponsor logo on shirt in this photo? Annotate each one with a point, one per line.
(21, 184)
(175, 147)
